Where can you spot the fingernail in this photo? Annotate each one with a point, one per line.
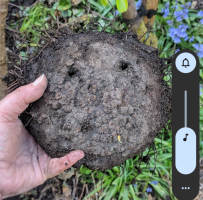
(77, 155)
(81, 154)
(38, 80)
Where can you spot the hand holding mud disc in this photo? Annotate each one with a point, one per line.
(99, 87)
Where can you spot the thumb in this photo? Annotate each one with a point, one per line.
(17, 101)
(58, 165)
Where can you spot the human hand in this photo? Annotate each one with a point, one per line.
(23, 163)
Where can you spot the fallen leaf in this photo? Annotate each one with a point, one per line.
(150, 197)
(66, 175)
(76, 2)
(194, 3)
(67, 191)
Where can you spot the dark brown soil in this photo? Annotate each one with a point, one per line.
(101, 86)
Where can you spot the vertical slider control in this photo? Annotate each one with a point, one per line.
(185, 125)
(185, 146)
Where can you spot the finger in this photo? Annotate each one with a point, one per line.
(58, 165)
(17, 101)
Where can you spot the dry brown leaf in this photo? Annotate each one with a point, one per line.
(66, 175)
(76, 2)
(67, 191)
(194, 3)
(150, 197)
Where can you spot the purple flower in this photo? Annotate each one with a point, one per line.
(117, 12)
(172, 32)
(166, 12)
(196, 46)
(200, 13)
(181, 31)
(178, 13)
(185, 16)
(177, 33)
(186, 6)
(182, 14)
(183, 27)
(191, 39)
(201, 21)
(135, 185)
(154, 182)
(182, 34)
(170, 22)
(199, 49)
(167, 5)
(185, 13)
(177, 40)
(186, 38)
(149, 189)
(177, 50)
(179, 19)
(138, 4)
(200, 54)
(176, 7)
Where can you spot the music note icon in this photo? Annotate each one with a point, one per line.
(184, 139)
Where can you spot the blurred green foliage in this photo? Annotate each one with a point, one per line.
(36, 19)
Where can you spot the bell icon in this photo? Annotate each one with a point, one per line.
(185, 63)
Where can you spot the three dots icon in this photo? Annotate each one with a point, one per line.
(185, 188)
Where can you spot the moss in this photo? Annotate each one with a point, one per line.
(151, 41)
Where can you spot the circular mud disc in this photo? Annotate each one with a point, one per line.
(105, 96)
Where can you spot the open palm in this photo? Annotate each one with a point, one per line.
(23, 163)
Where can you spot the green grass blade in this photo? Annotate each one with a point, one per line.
(99, 7)
(111, 192)
(132, 191)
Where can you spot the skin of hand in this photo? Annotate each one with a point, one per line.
(23, 163)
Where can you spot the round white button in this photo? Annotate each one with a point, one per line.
(185, 62)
